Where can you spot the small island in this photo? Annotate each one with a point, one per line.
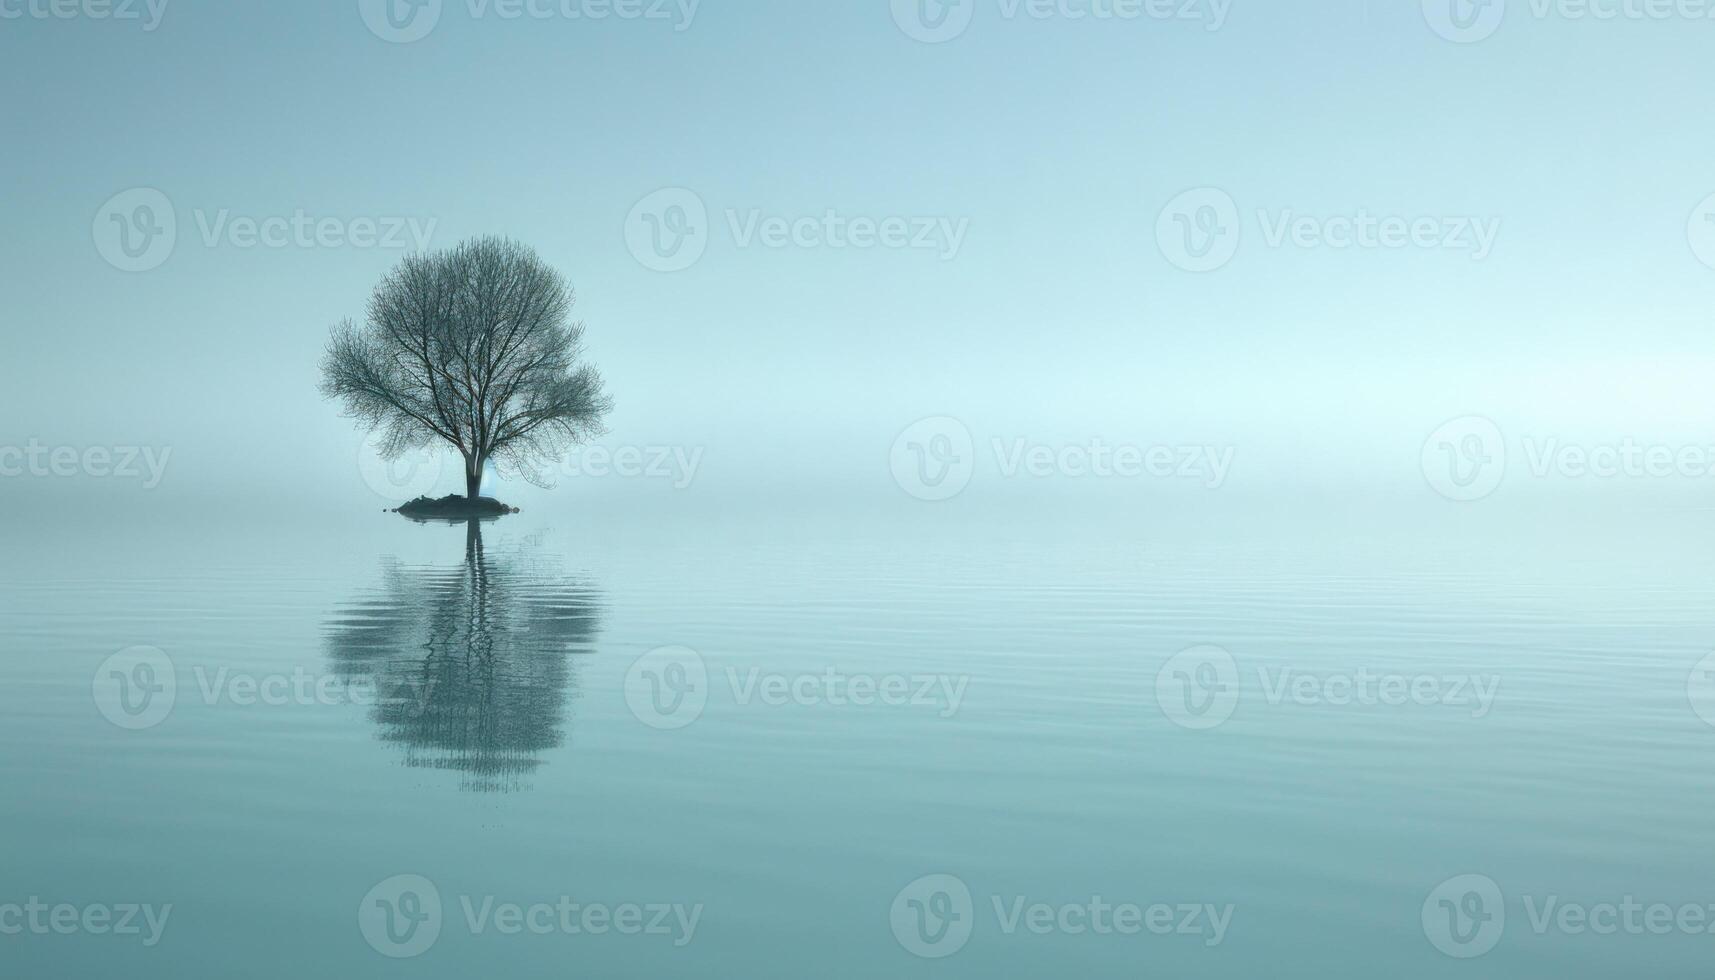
(454, 508)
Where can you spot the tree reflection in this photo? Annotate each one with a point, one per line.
(470, 663)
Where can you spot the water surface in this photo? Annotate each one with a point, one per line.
(777, 727)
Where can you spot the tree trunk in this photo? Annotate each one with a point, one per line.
(473, 478)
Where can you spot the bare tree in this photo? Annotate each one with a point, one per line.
(471, 346)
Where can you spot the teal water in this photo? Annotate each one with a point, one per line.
(519, 719)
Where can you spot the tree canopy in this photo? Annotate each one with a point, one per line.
(473, 346)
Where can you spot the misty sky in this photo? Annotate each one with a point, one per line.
(1026, 162)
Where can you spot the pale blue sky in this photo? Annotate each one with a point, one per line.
(1058, 140)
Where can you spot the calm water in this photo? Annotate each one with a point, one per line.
(909, 742)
